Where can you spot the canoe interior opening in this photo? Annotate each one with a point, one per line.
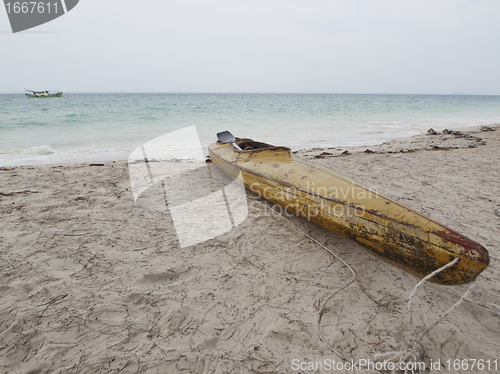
(250, 145)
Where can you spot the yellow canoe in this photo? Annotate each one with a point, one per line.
(398, 234)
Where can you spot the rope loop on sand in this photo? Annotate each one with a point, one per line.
(414, 349)
(422, 281)
(400, 356)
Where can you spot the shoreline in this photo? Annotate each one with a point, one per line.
(91, 281)
(404, 142)
(409, 144)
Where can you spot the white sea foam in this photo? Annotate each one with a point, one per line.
(44, 155)
(42, 150)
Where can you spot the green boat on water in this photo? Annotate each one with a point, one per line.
(43, 94)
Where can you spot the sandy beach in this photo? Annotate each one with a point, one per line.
(91, 283)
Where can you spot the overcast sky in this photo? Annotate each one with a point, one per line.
(310, 46)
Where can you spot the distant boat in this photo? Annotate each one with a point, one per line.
(43, 94)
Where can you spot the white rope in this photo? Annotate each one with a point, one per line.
(422, 281)
(457, 304)
(320, 313)
(402, 356)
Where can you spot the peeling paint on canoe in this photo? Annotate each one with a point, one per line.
(398, 234)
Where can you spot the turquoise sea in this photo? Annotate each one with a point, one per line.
(91, 127)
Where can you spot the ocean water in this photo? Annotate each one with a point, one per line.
(92, 127)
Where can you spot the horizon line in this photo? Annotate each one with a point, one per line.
(259, 93)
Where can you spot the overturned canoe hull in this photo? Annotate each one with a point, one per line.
(398, 234)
